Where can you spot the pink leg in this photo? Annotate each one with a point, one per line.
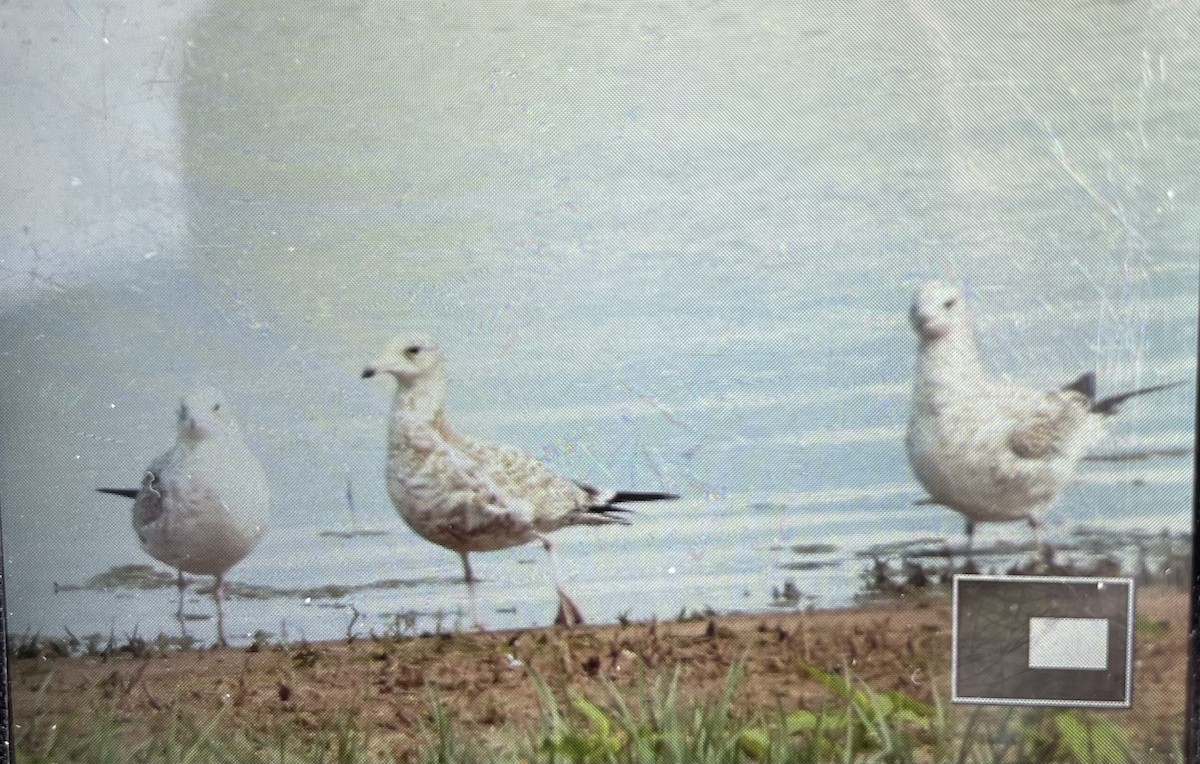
(219, 598)
(569, 613)
(472, 603)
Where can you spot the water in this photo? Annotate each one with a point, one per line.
(667, 247)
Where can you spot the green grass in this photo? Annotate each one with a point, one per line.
(657, 720)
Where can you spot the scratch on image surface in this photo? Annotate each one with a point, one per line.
(658, 406)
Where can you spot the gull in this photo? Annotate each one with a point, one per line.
(472, 496)
(993, 450)
(203, 505)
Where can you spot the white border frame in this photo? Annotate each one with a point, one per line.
(1127, 702)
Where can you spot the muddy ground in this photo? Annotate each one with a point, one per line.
(484, 680)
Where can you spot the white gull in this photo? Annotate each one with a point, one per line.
(203, 505)
(992, 450)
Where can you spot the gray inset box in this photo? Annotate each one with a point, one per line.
(1043, 641)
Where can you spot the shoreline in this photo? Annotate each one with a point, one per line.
(486, 682)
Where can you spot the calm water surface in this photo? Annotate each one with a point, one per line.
(667, 247)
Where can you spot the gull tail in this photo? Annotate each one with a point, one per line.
(1086, 385)
(607, 503)
(128, 493)
(1108, 406)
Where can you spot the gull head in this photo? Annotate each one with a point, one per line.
(409, 360)
(203, 412)
(937, 310)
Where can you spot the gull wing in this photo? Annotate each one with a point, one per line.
(518, 475)
(453, 469)
(477, 484)
(149, 505)
(1046, 429)
(553, 500)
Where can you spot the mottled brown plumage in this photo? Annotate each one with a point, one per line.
(473, 496)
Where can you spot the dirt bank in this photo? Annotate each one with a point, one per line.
(484, 680)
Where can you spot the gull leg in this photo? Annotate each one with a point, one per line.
(471, 580)
(468, 575)
(970, 529)
(179, 613)
(219, 598)
(568, 612)
(1041, 547)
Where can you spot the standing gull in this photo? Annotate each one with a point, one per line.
(992, 450)
(203, 505)
(471, 496)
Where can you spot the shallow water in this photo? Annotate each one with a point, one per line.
(667, 248)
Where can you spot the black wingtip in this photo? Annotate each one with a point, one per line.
(128, 493)
(613, 514)
(621, 497)
(1109, 406)
(1086, 384)
(612, 508)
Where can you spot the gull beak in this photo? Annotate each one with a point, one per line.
(368, 372)
(919, 322)
(185, 418)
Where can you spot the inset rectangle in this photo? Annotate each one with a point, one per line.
(1043, 640)
(1068, 643)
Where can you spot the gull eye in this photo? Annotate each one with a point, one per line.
(412, 351)
(216, 407)
(948, 304)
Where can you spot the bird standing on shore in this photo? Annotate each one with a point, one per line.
(472, 496)
(203, 505)
(992, 450)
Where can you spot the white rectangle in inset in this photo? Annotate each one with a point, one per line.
(1068, 643)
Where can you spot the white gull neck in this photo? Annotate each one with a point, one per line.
(419, 403)
(949, 364)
